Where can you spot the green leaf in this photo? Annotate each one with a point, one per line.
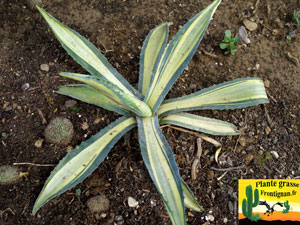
(151, 53)
(93, 96)
(161, 165)
(227, 37)
(232, 46)
(223, 45)
(82, 161)
(86, 54)
(178, 54)
(235, 94)
(201, 124)
(236, 39)
(189, 198)
(128, 100)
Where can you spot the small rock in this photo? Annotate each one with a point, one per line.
(119, 218)
(84, 126)
(210, 174)
(210, 218)
(44, 67)
(267, 83)
(225, 220)
(244, 35)
(267, 130)
(25, 86)
(248, 158)
(32, 3)
(250, 25)
(70, 103)
(39, 143)
(97, 120)
(279, 23)
(275, 154)
(69, 148)
(242, 141)
(132, 202)
(97, 204)
(193, 86)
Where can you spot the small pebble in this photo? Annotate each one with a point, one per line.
(70, 103)
(69, 148)
(25, 86)
(97, 120)
(275, 154)
(132, 202)
(210, 174)
(193, 86)
(225, 220)
(242, 141)
(248, 158)
(44, 67)
(250, 25)
(39, 143)
(210, 218)
(244, 35)
(267, 130)
(32, 3)
(267, 83)
(84, 126)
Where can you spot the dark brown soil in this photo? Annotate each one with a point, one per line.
(118, 28)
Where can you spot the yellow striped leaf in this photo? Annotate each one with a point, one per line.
(235, 94)
(199, 123)
(161, 165)
(189, 199)
(86, 54)
(93, 96)
(178, 54)
(83, 160)
(128, 100)
(152, 50)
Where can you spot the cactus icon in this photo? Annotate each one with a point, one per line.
(248, 204)
(287, 207)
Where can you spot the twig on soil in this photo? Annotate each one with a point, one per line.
(33, 164)
(271, 97)
(220, 177)
(268, 116)
(205, 138)
(256, 6)
(8, 209)
(228, 169)
(197, 160)
(209, 54)
(44, 121)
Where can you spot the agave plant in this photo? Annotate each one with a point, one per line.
(160, 66)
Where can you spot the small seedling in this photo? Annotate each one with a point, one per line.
(288, 37)
(78, 192)
(296, 18)
(4, 135)
(74, 108)
(229, 43)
